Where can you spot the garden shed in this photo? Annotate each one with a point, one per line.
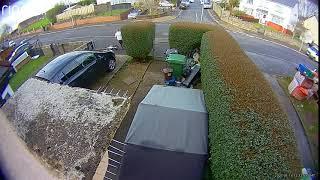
(168, 137)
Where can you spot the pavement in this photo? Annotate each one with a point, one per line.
(301, 137)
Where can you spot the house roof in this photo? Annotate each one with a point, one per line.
(290, 3)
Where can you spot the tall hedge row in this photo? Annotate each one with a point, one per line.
(249, 135)
(138, 38)
(186, 36)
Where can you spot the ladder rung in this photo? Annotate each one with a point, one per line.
(111, 173)
(118, 142)
(115, 153)
(114, 161)
(116, 148)
(112, 166)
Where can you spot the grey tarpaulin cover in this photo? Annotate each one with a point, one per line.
(168, 136)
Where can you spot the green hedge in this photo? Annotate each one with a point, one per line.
(186, 36)
(138, 38)
(249, 135)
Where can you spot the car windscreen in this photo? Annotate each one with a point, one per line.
(134, 12)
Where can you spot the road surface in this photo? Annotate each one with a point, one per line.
(271, 58)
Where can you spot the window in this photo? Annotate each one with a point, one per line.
(77, 65)
(260, 13)
(88, 60)
(277, 19)
(70, 70)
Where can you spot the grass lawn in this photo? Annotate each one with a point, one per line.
(258, 25)
(27, 71)
(115, 12)
(37, 25)
(308, 113)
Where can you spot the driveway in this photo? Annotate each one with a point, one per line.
(271, 58)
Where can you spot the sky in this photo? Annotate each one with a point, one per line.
(16, 11)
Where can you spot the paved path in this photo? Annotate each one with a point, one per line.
(302, 141)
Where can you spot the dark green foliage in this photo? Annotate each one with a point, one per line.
(234, 3)
(87, 2)
(237, 13)
(51, 14)
(138, 39)
(249, 135)
(187, 36)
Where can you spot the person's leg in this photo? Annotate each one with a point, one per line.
(120, 42)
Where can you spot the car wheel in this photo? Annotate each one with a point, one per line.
(111, 65)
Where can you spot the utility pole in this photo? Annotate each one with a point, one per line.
(72, 20)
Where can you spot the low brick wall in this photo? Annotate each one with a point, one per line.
(92, 20)
(63, 48)
(225, 16)
(151, 16)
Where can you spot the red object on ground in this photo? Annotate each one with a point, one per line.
(278, 27)
(307, 83)
(300, 93)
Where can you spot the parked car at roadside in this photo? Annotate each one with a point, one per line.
(186, 2)
(165, 4)
(134, 13)
(23, 41)
(78, 68)
(313, 52)
(12, 44)
(207, 4)
(183, 6)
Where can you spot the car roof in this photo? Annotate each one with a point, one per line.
(49, 71)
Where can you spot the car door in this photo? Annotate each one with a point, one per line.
(70, 74)
(90, 67)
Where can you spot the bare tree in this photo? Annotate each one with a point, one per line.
(307, 9)
(5, 29)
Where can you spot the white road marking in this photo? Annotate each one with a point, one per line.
(201, 14)
(196, 17)
(179, 13)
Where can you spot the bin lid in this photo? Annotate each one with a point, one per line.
(176, 58)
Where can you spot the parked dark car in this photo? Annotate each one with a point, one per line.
(183, 5)
(78, 68)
